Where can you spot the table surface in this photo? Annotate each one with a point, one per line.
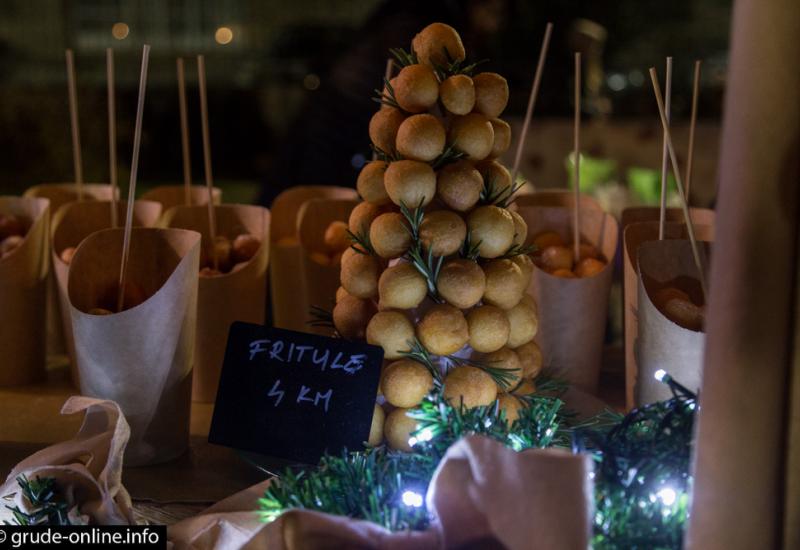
(163, 493)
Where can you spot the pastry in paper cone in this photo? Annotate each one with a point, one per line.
(70, 225)
(572, 312)
(239, 295)
(175, 195)
(661, 342)
(23, 292)
(287, 288)
(634, 233)
(141, 357)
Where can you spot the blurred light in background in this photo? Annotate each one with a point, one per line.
(120, 31)
(224, 35)
(311, 82)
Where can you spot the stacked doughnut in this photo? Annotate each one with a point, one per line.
(437, 272)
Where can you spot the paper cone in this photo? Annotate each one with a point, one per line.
(23, 293)
(175, 195)
(633, 235)
(287, 290)
(636, 214)
(557, 197)
(321, 281)
(661, 343)
(60, 194)
(236, 296)
(70, 225)
(142, 357)
(573, 312)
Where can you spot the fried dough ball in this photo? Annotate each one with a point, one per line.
(133, 296)
(524, 324)
(511, 406)
(554, 257)
(586, 250)
(392, 331)
(410, 182)
(438, 44)
(376, 428)
(461, 283)
(421, 137)
(66, 254)
(245, 246)
(362, 216)
(10, 244)
(370, 182)
(459, 185)
(208, 272)
(525, 387)
(472, 134)
(525, 264)
(678, 308)
(223, 250)
(11, 226)
(502, 137)
(664, 295)
(520, 229)
(492, 229)
(495, 175)
(383, 128)
(351, 315)
(416, 88)
(99, 311)
(548, 238)
(397, 428)
(563, 273)
(320, 257)
(336, 237)
(405, 383)
(341, 293)
(469, 386)
(389, 235)
(491, 94)
(530, 357)
(505, 283)
(443, 330)
(488, 328)
(443, 232)
(458, 94)
(359, 274)
(506, 359)
(589, 267)
(401, 286)
(528, 299)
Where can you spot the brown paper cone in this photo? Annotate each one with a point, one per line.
(573, 312)
(236, 296)
(289, 303)
(142, 357)
(23, 293)
(660, 343)
(633, 235)
(60, 194)
(70, 225)
(557, 197)
(636, 214)
(175, 195)
(321, 281)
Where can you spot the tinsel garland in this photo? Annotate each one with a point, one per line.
(641, 478)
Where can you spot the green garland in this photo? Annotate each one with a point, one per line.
(641, 476)
(49, 507)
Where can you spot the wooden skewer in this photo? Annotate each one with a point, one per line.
(662, 214)
(692, 125)
(137, 140)
(187, 163)
(537, 78)
(674, 160)
(576, 176)
(212, 221)
(387, 75)
(73, 117)
(112, 135)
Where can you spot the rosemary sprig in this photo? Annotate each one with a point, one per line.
(518, 250)
(320, 317)
(49, 507)
(385, 156)
(421, 355)
(361, 239)
(387, 98)
(502, 197)
(504, 378)
(448, 156)
(404, 58)
(452, 67)
(470, 251)
(429, 266)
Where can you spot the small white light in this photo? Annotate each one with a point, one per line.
(667, 496)
(425, 435)
(411, 498)
(548, 432)
(412, 441)
(660, 374)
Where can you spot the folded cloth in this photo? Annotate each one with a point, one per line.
(87, 469)
(483, 495)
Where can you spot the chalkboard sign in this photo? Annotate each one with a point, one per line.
(294, 396)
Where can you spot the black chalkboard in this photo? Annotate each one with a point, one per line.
(294, 396)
